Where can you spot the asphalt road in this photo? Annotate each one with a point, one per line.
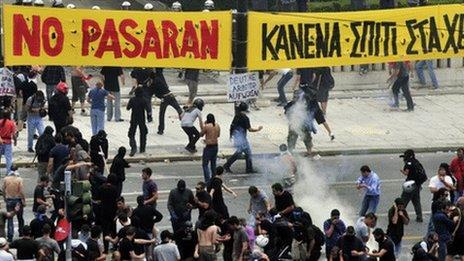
(326, 183)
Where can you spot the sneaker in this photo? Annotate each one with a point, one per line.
(160, 133)
(142, 150)
(252, 171)
(132, 153)
(120, 120)
(419, 220)
(149, 119)
(332, 137)
(30, 150)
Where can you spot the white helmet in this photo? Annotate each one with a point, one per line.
(125, 5)
(409, 186)
(176, 6)
(96, 7)
(27, 2)
(71, 6)
(209, 5)
(148, 7)
(38, 3)
(205, 10)
(57, 3)
(262, 241)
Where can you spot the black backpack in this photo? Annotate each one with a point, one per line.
(318, 236)
(421, 176)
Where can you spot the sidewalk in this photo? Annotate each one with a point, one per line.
(361, 125)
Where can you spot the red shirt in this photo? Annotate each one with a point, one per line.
(457, 168)
(7, 130)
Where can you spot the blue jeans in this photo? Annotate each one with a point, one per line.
(209, 157)
(116, 104)
(420, 72)
(50, 89)
(242, 146)
(398, 250)
(10, 205)
(281, 85)
(7, 151)
(33, 123)
(97, 120)
(369, 204)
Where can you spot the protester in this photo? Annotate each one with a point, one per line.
(26, 247)
(180, 204)
(79, 87)
(4, 217)
(441, 180)
(96, 98)
(238, 132)
(167, 250)
(59, 107)
(95, 253)
(108, 194)
(215, 190)
(420, 72)
(414, 171)
(397, 219)
(149, 188)
(259, 203)
(363, 226)
(457, 168)
(334, 229)
(138, 106)
(141, 80)
(187, 121)
(191, 78)
(5, 254)
(283, 200)
(111, 76)
(401, 72)
(119, 166)
(426, 249)
(287, 75)
(212, 131)
(43, 146)
(35, 111)
(52, 76)
(48, 245)
(351, 247)
(13, 192)
(386, 250)
(208, 236)
(240, 246)
(370, 183)
(147, 215)
(58, 154)
(7, 136)
(203, 200)
(443, 226)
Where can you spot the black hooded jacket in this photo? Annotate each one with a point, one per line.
(44, 144)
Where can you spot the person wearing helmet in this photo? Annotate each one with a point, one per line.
(208, 5)
(59, 107)
(38, 3)
(58, 3)
(369, 182)
(414, 171)
(27, 2)
(238, 132)
(176, 7)
(148, 7)
(18, 2)
(188, 119)
(96, 7)
(71, 6)
(125, 5)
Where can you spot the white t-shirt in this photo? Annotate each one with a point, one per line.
(436, 183)
(5, 256)
(189, 117)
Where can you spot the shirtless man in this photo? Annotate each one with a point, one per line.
(208, 237)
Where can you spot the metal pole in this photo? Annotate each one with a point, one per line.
(67, 189)
(241, 37)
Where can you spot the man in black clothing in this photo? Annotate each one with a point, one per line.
(139, 106)
(39, 194)
(119, 166)
(92, 245)
(397, 218)
(96, 180)
(108, 196)
(351, 247)
(413, 170)
(386, 251)
(147, 216)
(44, 145)
(203, 199)
(284, 203)
(238, 132)
(141, 78)
(39, 222)
(180, 204)
(111, 83)
(26, 247)
(59, 107)
(51, 76)
(161, 90)
(99, 149)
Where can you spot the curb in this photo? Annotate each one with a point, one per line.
(323, 152)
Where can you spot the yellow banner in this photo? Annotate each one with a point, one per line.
(294, 40)
(51, 36)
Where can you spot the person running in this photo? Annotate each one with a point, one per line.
(401, 72)
(238, 132)
(414, 171)
(7, 136)
(35, 111)
(188, 119)
(212, 131)
(96, 98)
(139, 107)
